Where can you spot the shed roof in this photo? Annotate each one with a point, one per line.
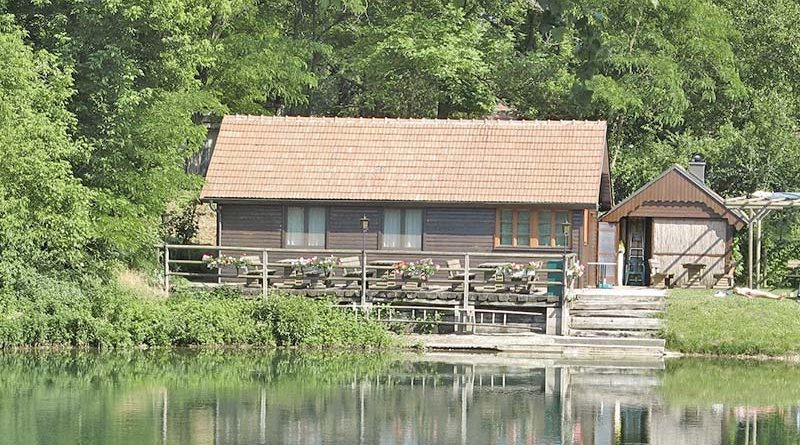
(468, 161)
(675, 191)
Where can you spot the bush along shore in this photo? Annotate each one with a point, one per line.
(699, 323)
(60, 314)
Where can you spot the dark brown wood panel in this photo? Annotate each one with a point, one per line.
(459, 229)
(344, 227)
(250, 225)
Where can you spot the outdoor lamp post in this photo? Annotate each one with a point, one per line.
(566, 227)
(364, 229)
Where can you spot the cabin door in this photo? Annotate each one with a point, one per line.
(636, 252)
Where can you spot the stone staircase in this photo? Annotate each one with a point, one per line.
(618, 312)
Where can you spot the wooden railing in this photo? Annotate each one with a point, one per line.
(477, 271)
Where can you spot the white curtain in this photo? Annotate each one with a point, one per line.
(391, 228)
(316, 227)
(294, 226)
(413, 235)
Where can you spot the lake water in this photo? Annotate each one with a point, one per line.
(223, 397)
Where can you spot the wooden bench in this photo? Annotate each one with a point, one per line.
(657, 278)
(794, 273)
(725, 280)
(456, 276)
(351, 270)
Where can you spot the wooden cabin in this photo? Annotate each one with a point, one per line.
(675, 231)
(424, 184)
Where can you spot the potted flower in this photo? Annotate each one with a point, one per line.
(419, 271)
(218, 262)
(323, 266)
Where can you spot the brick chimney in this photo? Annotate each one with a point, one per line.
(697, 167)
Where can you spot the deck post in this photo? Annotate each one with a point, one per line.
(563, 280)
(465, 316)
(466, 281)
(363, 280)
(264, 272)
(759, 280)
(166, 268)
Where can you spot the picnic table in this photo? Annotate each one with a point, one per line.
(495, 281)
(296, 275)
(694, 272)
(385, 273)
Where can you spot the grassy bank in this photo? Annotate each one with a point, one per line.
(58, 314)
(698, 322)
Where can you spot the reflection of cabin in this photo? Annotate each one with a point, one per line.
(675, 230)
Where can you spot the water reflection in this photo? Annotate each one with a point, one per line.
(266, 398)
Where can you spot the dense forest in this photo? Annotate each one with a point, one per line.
(101, 102)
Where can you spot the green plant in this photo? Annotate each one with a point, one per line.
(50, 313)
(215, 262)
(422, 269)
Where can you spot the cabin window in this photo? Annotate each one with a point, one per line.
(305, 227)
(402, 229)
(530, 228)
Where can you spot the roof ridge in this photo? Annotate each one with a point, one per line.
(418, 120)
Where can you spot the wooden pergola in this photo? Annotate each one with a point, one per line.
(753, 209)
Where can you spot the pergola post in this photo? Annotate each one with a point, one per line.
(750, 253)
(759, 280)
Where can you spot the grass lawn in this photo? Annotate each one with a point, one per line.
(698, 322)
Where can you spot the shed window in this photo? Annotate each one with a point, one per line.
(402, 229)
(530, 228)
(305, 227)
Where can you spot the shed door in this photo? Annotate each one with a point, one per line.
(607, 250)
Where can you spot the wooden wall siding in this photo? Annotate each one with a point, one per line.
(444, 230)
(674, 195)
(459, 229)
(251, 225)
(344, 227)
(697, 210)
(679, 241)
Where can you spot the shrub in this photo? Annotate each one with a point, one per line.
(52, 313)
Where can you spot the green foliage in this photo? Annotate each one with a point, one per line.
(44, 210)
(697, 322)
(96, 123)
(49, 313)
(306, 322)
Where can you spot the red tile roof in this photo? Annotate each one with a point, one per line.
(476, 161)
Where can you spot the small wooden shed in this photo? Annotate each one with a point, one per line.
(675, 230)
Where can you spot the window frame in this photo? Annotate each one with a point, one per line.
(533, 231)
(402, 232)
(306, 223)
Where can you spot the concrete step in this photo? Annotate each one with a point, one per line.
(616, 313)
(618, 334)
(615, 323)
(618, 305)
(617, 298)
(622, 291)
(617, 341)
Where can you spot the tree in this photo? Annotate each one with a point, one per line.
(45, 211)
(649, 68)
